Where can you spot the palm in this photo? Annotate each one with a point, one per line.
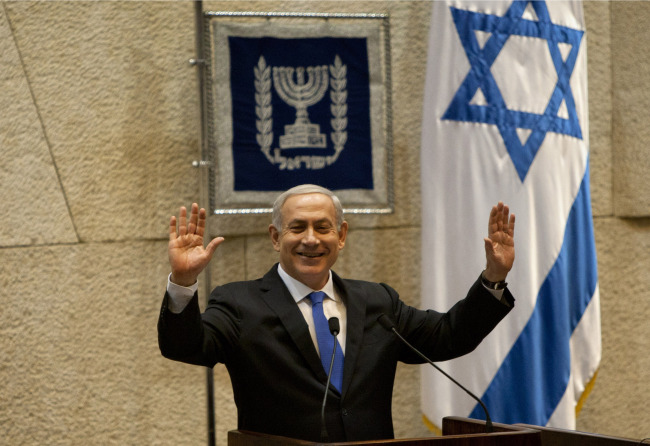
(500, 243)
(187, 256)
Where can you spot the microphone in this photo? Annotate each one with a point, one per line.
(385, 322)
(334, 326)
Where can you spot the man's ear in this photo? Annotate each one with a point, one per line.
(275, 237)
(343, 233)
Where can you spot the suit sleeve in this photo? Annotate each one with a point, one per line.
(198, 339)
(443, 336)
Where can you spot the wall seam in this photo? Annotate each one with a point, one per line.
(41, 122)
(612, 125)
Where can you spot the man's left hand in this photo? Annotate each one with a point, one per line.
(500, 243)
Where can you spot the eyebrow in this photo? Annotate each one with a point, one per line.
(303, 221)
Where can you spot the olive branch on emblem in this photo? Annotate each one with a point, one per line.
(339, 107)
(263, 107)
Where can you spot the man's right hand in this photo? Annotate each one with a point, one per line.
(187, 256)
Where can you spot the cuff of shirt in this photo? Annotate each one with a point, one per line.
(179, 296)
(498, 294)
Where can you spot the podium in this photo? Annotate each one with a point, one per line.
(457, 431)
(564, 437)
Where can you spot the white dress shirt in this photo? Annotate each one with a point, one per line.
(333, 306)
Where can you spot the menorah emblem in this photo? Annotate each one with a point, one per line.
(301, 94)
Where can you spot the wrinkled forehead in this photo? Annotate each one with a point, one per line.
(312, 206)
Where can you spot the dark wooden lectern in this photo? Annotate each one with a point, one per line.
(562, 437)
(457, 431)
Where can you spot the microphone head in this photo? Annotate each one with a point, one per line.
(385, 322)
(333, 322)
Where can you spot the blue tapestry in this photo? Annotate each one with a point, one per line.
(300, 113)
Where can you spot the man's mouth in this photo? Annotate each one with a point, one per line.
(311, 255)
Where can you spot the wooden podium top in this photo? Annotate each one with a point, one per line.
(456, 432)
(565, 437)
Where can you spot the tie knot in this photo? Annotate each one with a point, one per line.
(317, 297)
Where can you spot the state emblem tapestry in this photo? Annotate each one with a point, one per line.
(300, 99)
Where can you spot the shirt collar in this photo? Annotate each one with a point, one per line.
(299, 290)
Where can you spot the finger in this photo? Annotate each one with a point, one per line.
(511, 225)
(489, 247)
(505, 211)
(182, 221)
(172, 228)
(212, 246)
(505, 220)
(200, 227)
(493, 223)
(194, 218)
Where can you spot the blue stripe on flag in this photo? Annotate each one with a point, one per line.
(536, 371)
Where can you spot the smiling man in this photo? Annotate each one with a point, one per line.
(308, 236)
(269, 332)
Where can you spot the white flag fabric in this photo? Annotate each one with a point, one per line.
(505, 119)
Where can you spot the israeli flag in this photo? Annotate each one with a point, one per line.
(505, 119)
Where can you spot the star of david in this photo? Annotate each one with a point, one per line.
(495, 111)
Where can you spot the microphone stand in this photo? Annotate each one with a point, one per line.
(334, 329)
(324, 436)
(387, 324)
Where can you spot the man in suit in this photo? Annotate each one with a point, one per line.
(267, 334)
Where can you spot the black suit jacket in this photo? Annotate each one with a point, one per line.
(256, 329)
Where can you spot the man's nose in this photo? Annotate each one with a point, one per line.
(310, 237)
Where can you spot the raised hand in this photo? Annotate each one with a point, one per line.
(500, 243)
(187, 256)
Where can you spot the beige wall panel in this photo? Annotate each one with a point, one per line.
(260, 255)
(237, 225)
(409, 33)
(81, 364)
(118, 100)
(387, 255)
(228, 263)
(599, 72)
(407, 415)
(28, 178)
(618, 403)
(631, 102)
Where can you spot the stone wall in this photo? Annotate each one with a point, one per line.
(99, 125)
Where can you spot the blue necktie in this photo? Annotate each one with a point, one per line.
(326, 341)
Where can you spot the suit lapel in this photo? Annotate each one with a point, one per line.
(355, 305)
(277, 297)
